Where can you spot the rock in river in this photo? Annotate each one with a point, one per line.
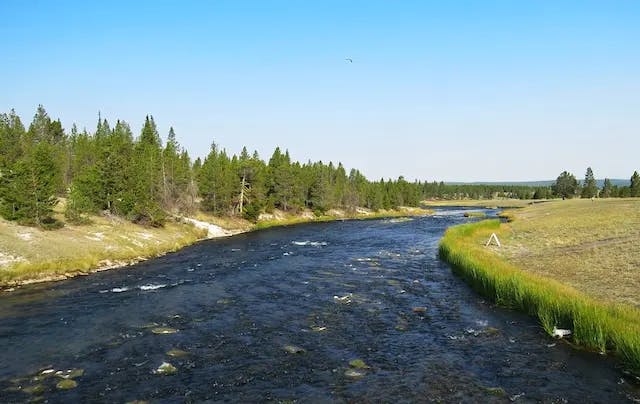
(292, 349)
(358, 364)
(177, 353)
(67, 384)
(354, 373)
(164, 330)
(165, 369)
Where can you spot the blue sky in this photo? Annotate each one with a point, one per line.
(466, 91)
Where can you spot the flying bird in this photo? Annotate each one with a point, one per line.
(349, 60)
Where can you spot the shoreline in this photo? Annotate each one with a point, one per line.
(213, 232)
(592, 324)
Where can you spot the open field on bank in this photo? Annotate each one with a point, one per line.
(598, 321)
(30, 254)
(482, 203)
(593, 246)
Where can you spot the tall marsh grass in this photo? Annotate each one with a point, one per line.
(596, 325)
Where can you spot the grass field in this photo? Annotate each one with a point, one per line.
(560, 262)
(593, 246)
(28, 254)
(482, 203)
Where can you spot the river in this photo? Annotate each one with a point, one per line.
(278, 315)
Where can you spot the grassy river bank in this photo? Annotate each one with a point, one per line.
(29, 255)
(572, 264)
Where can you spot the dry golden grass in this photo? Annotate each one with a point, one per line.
(28, 253)
(482, 203)
(226, 222)
(593, 246)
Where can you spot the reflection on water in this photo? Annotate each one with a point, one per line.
(345, 311)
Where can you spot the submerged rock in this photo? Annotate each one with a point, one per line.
(164, 330)
(346, 299)
(67, 384)
(402, 325)
(354, 373)
(316, 328)
(292, 349)
(35, 389)
(177, 353)
(358, 364)
(496, 391)
(70, 374)
(491, 331)
(419, 310)
(165, 369)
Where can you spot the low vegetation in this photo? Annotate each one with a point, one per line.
(30, 254)
(481, 203)
(335, 214)
(596, 324)
(593, 246)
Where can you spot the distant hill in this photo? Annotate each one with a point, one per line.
(545, 183)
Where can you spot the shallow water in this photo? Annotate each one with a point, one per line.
(277, 315)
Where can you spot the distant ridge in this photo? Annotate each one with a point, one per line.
(614, 181)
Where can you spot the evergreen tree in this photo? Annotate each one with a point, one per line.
(607, 189)
(590, 188)
(281, 180)
(634, 188)
(565, 185)
(144, 194)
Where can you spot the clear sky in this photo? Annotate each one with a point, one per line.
(445, 90)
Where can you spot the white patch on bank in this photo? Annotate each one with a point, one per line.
(152, 286)
(213, 231)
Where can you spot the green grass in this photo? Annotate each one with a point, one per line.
(596, 325)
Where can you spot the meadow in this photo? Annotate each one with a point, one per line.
(548, 252)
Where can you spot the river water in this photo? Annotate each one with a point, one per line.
(277, 316)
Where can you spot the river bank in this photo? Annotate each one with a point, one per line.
(596, 323)
(30, 255)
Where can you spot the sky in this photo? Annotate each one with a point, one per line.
(437, 90)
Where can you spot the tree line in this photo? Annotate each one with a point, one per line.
(111, 171)
(567, 186)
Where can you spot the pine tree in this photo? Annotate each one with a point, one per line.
(144, 194)
(607, 189)
(565, 185)
(634, 188)
(590, 188)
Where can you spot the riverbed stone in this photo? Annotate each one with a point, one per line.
(358, 364)
(70, 374)
(177, 353)
(402, 325)
(419, 310)
(163, 330)
(491, 331)
(354, 373)
(67, 384)
(36, 389)
(166, 369)
(293, 349)
(496, 391)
